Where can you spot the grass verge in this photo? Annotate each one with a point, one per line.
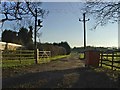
(16, 63)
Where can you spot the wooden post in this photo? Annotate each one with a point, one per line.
(35, 42)
(0, 69)
(107, 56)
(112, 60)
(50, 53)
(84, 23)
(20, 56)
(101, 58)
(37, 54)
(0, 54)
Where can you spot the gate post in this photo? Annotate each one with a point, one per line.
(101, 58)
(112, 60)
(37, 54)
(0, 69)
(0, 56)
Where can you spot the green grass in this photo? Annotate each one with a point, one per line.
(59, 57)
(46, 60)
(16, 63)
(110, 63)
(81, 56)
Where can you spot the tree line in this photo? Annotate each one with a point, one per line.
(103, 49)
(25, 37)
(61, 48)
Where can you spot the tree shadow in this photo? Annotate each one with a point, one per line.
(70, 78)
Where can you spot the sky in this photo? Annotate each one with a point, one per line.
(62, 24)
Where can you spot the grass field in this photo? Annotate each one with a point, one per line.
(22, 63)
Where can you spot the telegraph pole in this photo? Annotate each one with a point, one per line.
(119, 27)
(35, 43)
(84, 22)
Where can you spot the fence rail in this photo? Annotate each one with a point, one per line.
(17, 54)
(23, 57)
(111, 59)
(44, 56)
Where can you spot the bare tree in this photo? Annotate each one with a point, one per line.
(11, 11)
(104, 12)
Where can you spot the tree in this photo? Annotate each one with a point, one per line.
(29, 44)
(11, 11)
(9, 36)
(55, 49)
(104, 12)
(23, 35)
(21, 12)
(30, 33)
(65, 45)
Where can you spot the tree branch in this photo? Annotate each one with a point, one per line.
(104, 12)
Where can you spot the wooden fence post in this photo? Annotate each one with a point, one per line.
(19, 56)
(112, 60)
(50, 54)
(37, 54)
(107, 56)
(101, 58)
(0, 56)
(1, 69)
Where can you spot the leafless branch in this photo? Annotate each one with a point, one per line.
(17, 10)
(104, 12)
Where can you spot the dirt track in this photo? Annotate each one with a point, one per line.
(65, 73)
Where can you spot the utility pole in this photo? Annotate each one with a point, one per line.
(35, 35)
(119, 27)
(84, 22)
(35, 43)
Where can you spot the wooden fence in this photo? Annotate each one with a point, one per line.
(110, 59)
(43, 56)
(17, 55)
(23, 56)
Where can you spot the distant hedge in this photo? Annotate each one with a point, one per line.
(64, 45)
(55, 50)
